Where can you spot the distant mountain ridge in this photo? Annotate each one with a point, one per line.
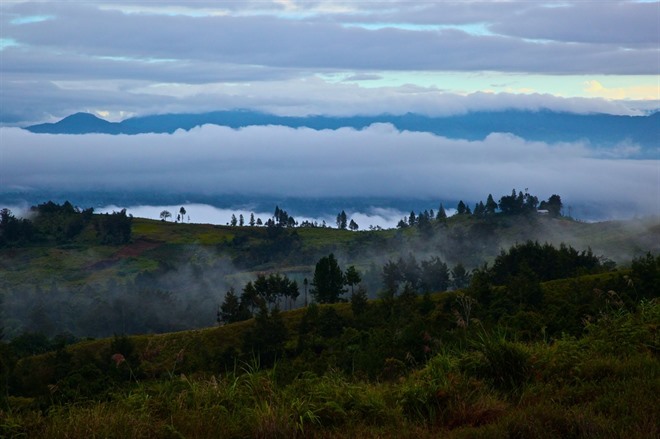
(601, 130)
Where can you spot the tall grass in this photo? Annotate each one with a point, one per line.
(493, 388)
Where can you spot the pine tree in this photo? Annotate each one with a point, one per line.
(342, 220)
(352, 277)
(491, 205)
(328, 282)
(412, 220)
(442, 215)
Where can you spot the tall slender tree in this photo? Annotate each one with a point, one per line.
(352, 277)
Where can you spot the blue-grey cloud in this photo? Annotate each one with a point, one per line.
(378, 161)
(59, 57)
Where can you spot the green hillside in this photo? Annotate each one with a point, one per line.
(90, 283)
(506, 326)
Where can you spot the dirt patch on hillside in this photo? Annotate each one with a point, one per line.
(136, 248)
(133, 249)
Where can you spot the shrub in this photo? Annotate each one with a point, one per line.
(504, 364)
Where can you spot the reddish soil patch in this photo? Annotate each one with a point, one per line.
(131, 250)
(136, 248)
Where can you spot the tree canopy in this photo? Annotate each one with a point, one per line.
(328, 282)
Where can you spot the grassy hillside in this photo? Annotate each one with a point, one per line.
(185, 269)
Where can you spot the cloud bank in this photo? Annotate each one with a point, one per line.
(378, 161)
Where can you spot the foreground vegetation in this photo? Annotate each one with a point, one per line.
(603, 384)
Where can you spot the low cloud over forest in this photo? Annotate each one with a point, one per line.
(378, 161)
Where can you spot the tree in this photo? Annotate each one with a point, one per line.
(182, 212)
(241, 220)
(442, 215)
(460, 276)
(252, 222)
(460, 209)
(292, 292)
(392, 277)
(410, 271)
(234, 220)
(266, 338)
(342, 220)
(353, 226)
(525, 288)
(352, 277)
(412, 219)
(232, 310)
(424, 221)
(491, 205)
(114, 228)
(250, 298)
(529, 204)
(514, 204)
(13, 230)
(328, 282)
(434, 275)
(305, 284)
(359, 301)
(479, 210)
(165, 214)
(553, 205)
(282, 218)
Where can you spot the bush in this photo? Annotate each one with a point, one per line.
(504, 364)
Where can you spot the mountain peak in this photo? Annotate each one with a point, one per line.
(80, 117)
(77, 123)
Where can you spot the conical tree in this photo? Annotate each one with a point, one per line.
(328, 283)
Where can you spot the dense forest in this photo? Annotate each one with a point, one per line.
(482, 324)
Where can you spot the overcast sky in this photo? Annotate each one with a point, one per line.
(117, 59)
(123, 58)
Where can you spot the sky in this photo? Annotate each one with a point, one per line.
(123, 58)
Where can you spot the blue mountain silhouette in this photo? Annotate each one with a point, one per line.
(599, 130)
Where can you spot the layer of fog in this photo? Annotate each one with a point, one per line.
(385, 218)
(378, 161)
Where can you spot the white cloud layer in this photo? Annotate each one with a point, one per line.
(375, 162)
(386, 218)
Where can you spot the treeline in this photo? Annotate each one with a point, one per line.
(525, 265)
(267, 292)
(381, 339)
(52, 222)
(518, 203)
(515, 204)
